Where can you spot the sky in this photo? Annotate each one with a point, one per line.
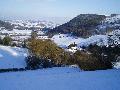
(52, 9)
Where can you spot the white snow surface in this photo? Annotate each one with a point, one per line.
(33, 23)
(117, 65)
(12, 57)
(65, 40)
(62, 78)
(112, 19)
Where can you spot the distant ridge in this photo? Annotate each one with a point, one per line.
(85, 25)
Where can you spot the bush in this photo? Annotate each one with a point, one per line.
(7, 40)
(72, 45)
(46, 49)
(87, 61)
(34, 62)
(13, 44)
(12, 70)
(1, 41)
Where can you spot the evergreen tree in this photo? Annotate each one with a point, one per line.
(7, 40)
(1, 41)
(24, 44)
(34, 35)
(91, 61)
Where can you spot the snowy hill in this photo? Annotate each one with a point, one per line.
(64, 40)
(109, 24)
(83, 25)
(18, 35)
(86, 25)
(20, 30)
(61, 79)
(113, 19)
(12, 57)
(32, 23)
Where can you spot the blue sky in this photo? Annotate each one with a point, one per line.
(56, 8)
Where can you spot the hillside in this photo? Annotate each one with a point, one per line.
(64, 40)
(6, 25)
(12, 57)
(31, 24)
(86, 25)
(62, 78)
(83, 25)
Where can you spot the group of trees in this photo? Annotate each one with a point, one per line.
(107, 53)
(45, 53)
(84, 25)
(5, 41)
(6, 25)
(87, 61)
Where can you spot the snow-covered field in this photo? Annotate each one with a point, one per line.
(12, 57)
(33, 23)
(65, 40)
(64, 78)
(57, 78)
(112, 19)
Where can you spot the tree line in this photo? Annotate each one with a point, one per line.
(5, 41)
(45, 53)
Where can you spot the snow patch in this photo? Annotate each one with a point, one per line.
(1, 55)
(64, 40)
(8, 49)
(64, 78)
(12, 57)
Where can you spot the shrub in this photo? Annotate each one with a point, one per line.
(1, 41)
(46, 49)
(87, 61)
(13, 44)
(34, 62)
(72, 45)
(7, 40)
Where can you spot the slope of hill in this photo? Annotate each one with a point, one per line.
(6, 25)
(83, 25)
(32, 24)
(110, 24)
(64, 78)
(12, 57)
(64, 40)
